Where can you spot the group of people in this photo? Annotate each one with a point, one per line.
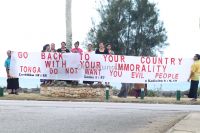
(101, 50)
(13, 82)
(63, 49)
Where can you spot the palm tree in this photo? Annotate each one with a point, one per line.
(68, 24)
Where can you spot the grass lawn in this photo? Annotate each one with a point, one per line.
(160, 100)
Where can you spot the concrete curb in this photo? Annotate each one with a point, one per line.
(189, 124)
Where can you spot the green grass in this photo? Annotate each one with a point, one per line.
(151, 100)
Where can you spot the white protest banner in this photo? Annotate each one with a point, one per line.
(45, 65)
(93, 67)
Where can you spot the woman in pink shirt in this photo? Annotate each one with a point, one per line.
(76, 49)
(89, 50)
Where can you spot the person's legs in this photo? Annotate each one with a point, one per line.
(193, 89)
(138, 91)
(75, 82)
(16, 85)
(88, 82)
(9, 86)
(68, 81)
(85, 82)
(196, 89)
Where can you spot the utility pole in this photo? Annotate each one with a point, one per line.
(68, 24)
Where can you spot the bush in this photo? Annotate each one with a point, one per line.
(169, 93)
(151, 93)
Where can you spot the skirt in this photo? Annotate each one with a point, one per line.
(193, 89)
(13, 83)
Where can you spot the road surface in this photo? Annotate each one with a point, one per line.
(88, 117)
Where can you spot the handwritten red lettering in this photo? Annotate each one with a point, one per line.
(29, 69)
(114, 58)
(23, 55)
(160, 60)
(180, 60)
(49, 64)
(52, 56)
(53, 71)
(71, 70)
(90, 64)
(137, 75)
(166, 76)
(115, 73)
(95, 72)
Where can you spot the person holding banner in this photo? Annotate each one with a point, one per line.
(194, 77)
(53, 47)
(101, 49)
(110, 51)
(46, 48)
(76, 48)
(63, 48)
(109, 47)
(89, 50)
(12, 82)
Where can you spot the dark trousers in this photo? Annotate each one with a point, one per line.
(13, 83)
(193, 89)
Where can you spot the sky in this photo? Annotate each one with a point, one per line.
(181, 19)
(26, 25)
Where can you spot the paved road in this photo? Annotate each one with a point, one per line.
(83, 117)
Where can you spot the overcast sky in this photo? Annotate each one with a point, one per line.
(26, 25)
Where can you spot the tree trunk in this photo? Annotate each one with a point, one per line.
(68, 24)
(124, 89)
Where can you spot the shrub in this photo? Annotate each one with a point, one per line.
(151, 93)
